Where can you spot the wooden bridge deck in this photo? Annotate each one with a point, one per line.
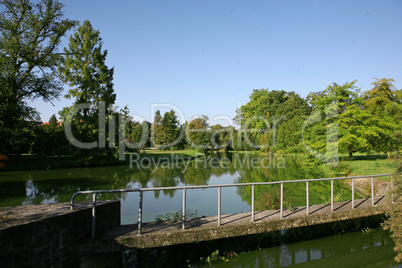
(157, 234)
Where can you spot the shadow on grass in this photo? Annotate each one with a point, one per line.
(363, 157)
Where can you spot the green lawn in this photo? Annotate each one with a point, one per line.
(168, 153)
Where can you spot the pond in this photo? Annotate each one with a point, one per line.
(49, 186)
(370, 248)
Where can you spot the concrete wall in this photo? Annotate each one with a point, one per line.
(52, 239)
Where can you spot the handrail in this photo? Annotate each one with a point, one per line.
(220, 186)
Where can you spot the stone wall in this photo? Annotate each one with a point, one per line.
(48, 234)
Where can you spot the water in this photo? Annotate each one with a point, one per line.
(357, 249)
(50, 186)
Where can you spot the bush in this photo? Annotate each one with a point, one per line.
(394, 222)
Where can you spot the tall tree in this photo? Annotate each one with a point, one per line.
(156, 132)
(338, 106)
(30, 35)
(170, 127)
(84, 69)
(384, 101)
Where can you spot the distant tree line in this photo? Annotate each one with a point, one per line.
(32, 65)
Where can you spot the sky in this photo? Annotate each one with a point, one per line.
(205, 57)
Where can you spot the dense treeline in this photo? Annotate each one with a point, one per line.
(339, 118)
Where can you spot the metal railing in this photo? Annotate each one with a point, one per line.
(220, 186)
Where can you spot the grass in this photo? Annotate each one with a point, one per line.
(371, 165)
(179, 153)
(175, 155)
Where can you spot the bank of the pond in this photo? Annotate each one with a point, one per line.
(42, 162)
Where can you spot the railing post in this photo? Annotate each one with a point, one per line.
(183, 225)
(140, 213)
(252, 203)
(282, 200)
(332, 195)
(353, 193)
(219, 206)
(392, 189)
(307, 199)
(93, 215)
(372, 191)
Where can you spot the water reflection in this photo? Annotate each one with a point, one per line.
(356, 249)
(35, 187)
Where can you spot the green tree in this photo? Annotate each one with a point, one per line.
(337, 105)
(384, 101)
(170, 129)
(261, 117)
(289, 135)
(84, 69)
(141, 134)
(30, 35)
(221, 136)
(53, 123)
(198, 133)
(157, 129)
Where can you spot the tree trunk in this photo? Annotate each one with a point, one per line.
(350, 154)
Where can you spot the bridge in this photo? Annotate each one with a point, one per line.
(157, 234)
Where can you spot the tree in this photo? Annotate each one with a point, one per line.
(198, 133)
(53, 122)
(141, 134)
(261, 117)
(84, 69)
(30, 35)
(49, 139)
(221, 136)
(170, 129)
(385, 103)
(156, 132)
(343, 104)
(289, 135)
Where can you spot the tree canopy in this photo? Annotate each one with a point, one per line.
(30, 35)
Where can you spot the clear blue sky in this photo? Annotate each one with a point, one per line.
(206, 56)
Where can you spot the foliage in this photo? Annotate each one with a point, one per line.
(30, 35)
(141, 134)
(166, 132)
(177, 215)
(269, 200)
(331, 108)
(394, 222)
(385, 103)
(289, 135)
(264, 114)
(198, 133)
(84, 69)
(49, 139)
(221, 137)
